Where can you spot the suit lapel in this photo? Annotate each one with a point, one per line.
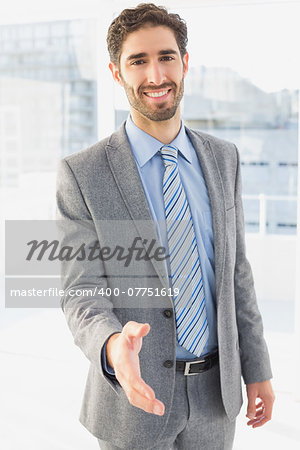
(215, 190)
(125, 172)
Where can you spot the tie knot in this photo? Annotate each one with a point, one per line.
(169, 155)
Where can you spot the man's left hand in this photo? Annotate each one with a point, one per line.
(261, 412)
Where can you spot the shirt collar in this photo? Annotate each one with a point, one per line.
(144, 146)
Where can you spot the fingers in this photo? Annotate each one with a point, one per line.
(263, 413)
(259, 416)
(259, 421)
(140, 394)
(152, 406)
(133, 383)
(134, 330)
(127, 369)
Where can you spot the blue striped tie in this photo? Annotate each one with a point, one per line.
(186, 275)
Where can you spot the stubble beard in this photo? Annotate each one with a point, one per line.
(160, 112)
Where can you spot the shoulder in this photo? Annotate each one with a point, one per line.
(216, 153)
(95, 155)
(220, 147)
(88, 157)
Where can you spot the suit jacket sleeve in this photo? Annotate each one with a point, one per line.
(255, 360)
(89, 315)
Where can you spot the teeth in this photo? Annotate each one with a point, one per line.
(156, 94)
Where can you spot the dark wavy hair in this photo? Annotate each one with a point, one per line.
(133, 19)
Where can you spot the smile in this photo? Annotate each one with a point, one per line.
(157, 94)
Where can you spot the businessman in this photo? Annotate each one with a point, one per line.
(170, 334)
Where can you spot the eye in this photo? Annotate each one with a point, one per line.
(167, 58)
(138, 62)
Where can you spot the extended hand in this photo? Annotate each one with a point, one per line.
(260, 413)
(123, 356)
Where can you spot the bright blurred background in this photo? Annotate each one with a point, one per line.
(57, 97)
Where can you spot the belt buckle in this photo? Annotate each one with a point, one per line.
(188, 364)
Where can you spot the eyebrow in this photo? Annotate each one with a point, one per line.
(143, 54)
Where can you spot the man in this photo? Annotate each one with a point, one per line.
(155, 178)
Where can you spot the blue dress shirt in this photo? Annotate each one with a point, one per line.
(150, 166)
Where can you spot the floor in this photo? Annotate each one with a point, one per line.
(43, 374)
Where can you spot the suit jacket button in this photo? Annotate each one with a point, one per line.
(168, 364)
(168, 313)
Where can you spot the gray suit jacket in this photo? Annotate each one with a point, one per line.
(101, 197)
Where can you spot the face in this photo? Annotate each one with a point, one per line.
(152, 72)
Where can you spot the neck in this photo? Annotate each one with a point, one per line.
(164, 131)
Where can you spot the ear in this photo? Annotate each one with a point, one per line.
(185, 64)
(115, 73)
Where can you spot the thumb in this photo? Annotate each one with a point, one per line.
(136, 330)
(251, 409)
(142, 330)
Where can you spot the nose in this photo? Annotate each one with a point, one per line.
(155, 73)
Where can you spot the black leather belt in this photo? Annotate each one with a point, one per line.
(198, 366)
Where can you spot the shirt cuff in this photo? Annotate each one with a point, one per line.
(105, 366)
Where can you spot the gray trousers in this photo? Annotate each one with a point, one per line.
(197, 419)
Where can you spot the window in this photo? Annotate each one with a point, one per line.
(36, 99)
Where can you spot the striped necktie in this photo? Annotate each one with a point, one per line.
(186, 275)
